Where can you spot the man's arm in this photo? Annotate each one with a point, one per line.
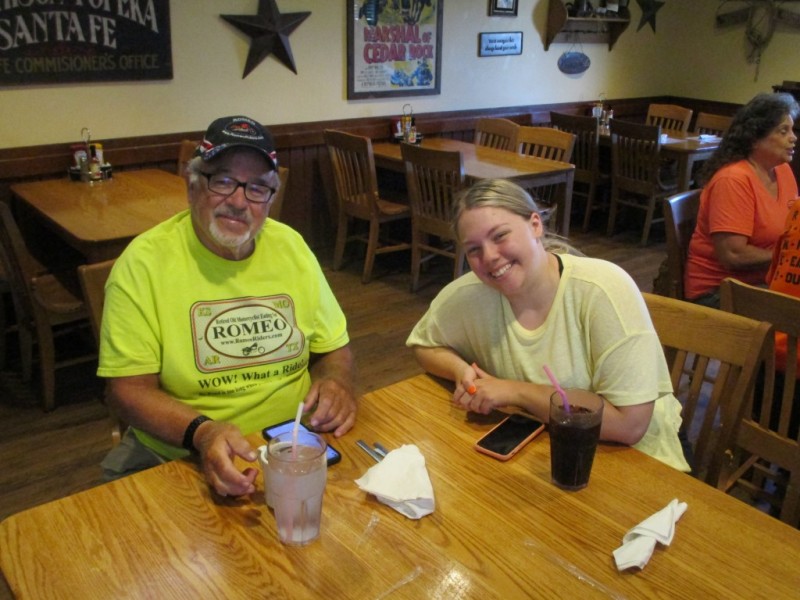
(140, 401)
(332, 391)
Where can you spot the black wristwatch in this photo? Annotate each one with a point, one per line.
(188, 436)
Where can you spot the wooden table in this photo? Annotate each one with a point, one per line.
(500, 530)
(481, 162)
(100, 219)
(685, 150)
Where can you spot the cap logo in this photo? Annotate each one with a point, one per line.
(243, 129)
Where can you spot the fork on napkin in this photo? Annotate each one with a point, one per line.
(638, 544)
(401, 481)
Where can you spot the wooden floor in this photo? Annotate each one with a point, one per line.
(49, 455)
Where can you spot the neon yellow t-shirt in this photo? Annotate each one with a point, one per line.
(598, 336)
(230, 338)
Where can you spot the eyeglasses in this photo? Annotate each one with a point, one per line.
(260, 193)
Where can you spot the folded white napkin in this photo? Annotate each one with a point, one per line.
(638, 544)
(401, 481)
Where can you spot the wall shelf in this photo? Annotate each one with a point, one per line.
(561, 28)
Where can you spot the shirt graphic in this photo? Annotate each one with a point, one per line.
(245, 332)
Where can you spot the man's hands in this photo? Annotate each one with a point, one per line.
(218, 443)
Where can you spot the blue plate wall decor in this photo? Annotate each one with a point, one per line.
(573, 63)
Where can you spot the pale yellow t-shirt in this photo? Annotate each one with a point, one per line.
(598, 336)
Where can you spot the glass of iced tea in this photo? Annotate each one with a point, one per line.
(574, 433)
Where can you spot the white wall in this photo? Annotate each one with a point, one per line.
(686, 57)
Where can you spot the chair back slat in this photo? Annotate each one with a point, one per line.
(353, 170)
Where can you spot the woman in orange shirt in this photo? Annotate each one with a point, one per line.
(745, 202)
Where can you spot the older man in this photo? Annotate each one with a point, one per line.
(219, 322)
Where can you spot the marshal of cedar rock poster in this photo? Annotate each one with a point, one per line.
(68, 41)
(393, 48)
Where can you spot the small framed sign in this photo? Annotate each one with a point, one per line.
(500, 43)
(503, 8)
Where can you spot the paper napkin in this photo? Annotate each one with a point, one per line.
(401, 481)
(638, 544)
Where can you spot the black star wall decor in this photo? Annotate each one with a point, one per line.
(269, 31)
(649, 10)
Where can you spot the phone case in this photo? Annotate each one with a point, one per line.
(508, 437)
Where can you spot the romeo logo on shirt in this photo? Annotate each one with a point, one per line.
(230, 334)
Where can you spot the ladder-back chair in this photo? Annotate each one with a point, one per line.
(765, 462)
(356, 185)
(635, 172)
(496, 133)
(585, 157)
(433, 178)
(673, 120)
(697, 341)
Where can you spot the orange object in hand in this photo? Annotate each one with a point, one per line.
(472, 389)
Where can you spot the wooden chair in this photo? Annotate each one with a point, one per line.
(44, 302)
(673, 120)
(357, 192)
(680, 219)
(710, 124)
(277, 203)
(433, 178)
(550, 143)
(635, 172)
(496, 133)
(585, 157)
(185, 154)
(698, 340)
(765, 462)
(93, 279)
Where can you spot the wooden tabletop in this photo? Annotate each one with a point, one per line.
(99, 219)
(481, 162)
(499, 530)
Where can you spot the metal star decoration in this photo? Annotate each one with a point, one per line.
(269, 31)
(649, 10)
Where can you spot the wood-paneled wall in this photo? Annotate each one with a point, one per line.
(310, 203)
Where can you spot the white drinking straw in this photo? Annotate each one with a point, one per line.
(558, 387)
(296, 429)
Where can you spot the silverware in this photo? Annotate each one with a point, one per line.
(380, 449)
(369, 450)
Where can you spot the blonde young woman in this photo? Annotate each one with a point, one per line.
(528, 302)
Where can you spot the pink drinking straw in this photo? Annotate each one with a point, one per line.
(296, 429)
(558, 387)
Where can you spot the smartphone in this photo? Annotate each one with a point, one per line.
(509, 436)
(270, 432)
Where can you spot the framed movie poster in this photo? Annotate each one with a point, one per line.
(394, 48)
(69, 41)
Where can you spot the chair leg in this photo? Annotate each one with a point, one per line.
(341, 239)
(47, 364)
(612, 212)
(416, 259)
(3, 327)
(372, 247)
(648, 221)
(25, 350)
(587, 215)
